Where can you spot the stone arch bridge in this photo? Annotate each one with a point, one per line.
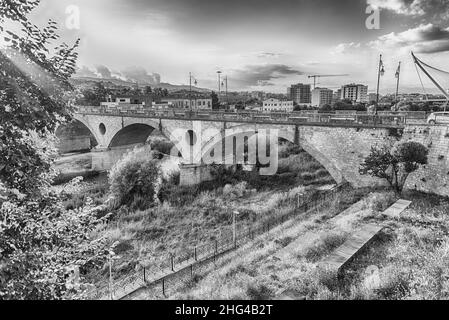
(340, 145)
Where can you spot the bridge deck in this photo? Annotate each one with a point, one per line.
(328, 120)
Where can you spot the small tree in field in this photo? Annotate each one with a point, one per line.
(395, 164)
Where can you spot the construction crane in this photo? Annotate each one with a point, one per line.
(325, 75)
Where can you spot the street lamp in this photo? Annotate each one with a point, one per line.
(190, 89)
(234, 214)
(224, 83)
(380, 72)
(219, 88)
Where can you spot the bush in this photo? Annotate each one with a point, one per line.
(133, 181)
(380, 201)
(235, 191)
(162, 146)
(259, 292)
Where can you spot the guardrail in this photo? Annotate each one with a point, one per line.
(162, 276)
(382, 119)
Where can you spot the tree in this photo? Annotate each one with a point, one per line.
(39, 239)
(147, 90)
(325, 108)
(395, 164)
(134, 179)
(215, 101)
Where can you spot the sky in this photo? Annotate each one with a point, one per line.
(259, 44)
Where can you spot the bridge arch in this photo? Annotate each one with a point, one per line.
(284, 134)
(131, 134)
(75, 136)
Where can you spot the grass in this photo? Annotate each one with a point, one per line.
(325, 245)
(189, 217)
(408, 260)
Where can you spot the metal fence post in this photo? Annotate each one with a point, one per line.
(172, 262)
(194, 254)
(144, 275)
(163, 286)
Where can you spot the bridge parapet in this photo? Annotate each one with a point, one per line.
(353, 119)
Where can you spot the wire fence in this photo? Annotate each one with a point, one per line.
(180, 269)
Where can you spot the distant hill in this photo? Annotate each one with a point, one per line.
(89, 82)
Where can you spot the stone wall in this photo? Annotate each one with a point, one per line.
(191, 174)
(433, 177)
(74, 143)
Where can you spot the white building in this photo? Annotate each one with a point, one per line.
(127, 102)
(321, 96)
(185, 103)
(355, 92)
(277, 105)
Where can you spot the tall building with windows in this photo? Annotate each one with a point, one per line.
(299, 93)
(321, 96)
(355, 92)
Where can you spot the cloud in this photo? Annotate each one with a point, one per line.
(261, 75)
(346, 48)
(132, 74)
(85, 72)
(103, 72)
(435, 8)
(140, 75)
(426, 38)
(268, 55)
(405, 7)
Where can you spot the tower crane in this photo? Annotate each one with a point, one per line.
(324, 75)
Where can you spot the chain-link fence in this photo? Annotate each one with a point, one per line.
(180, 269)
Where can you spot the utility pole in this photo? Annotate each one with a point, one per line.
(190, 91)
(225, 83)
(190, 88)
(219, 87)
(380, 72)
(398, 72)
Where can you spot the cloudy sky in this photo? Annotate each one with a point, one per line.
(260, 44)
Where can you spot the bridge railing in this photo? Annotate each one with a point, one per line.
(382, 118)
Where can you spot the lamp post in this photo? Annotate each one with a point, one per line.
(397, 75)
(234, 214)
(219, 87)
(225, 84)
(380, 72)
(190, 89)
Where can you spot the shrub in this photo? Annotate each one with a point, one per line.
(162, 146)
(395, 164)
(235, 191)
(133, 181)
(259, 292)
(380, 201)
